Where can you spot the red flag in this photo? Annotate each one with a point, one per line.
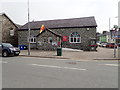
(42, 28)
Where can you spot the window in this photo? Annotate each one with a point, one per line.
(12, 32)
(45, 40)
(32, 39)
(74, 38)
(50, 40)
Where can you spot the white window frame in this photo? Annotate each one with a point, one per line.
(74, 41)
(34, 39)
(12, 32)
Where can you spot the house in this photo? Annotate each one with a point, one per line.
(77, 33)
(8, 31)
(104, 37)
(110, 37)
(116, 36)
(98, 36)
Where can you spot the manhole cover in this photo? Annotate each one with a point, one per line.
(71, 62)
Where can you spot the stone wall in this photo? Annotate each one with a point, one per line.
(42, 42)
(23, 37)
(7, 25)
(0, 28)
(85, 34)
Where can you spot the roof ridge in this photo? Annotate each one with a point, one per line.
(63, 23)
(63, 19)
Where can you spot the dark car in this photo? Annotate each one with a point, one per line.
(6, 49)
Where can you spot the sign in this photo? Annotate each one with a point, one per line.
(116, 37)
(54, 43)
(65, 38)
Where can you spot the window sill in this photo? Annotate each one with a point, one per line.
(32, 42)
(74, 42)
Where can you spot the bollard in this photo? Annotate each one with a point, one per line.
(59, 51)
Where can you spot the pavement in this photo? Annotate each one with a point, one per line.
(74, 54)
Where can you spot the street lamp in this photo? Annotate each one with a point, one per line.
(28, 30)
(110, 21)
(114, 35)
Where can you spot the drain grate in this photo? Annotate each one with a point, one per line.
(71, 62)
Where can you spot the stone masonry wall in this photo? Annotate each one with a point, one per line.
(85, 34)
(0, 28)
(41, 41)
(6, 26)
(23, 37)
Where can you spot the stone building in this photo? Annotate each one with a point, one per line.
(8, 30)
(77, 33)
(0, 28)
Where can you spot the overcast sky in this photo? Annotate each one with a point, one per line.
(62, 9)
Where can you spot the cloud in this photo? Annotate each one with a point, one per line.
(61, 9)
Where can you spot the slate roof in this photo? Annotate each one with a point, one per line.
(18, 25)
(63, 23)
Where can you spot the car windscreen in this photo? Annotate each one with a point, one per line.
(7, 45)
(112, 43)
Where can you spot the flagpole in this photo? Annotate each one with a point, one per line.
(28, 30)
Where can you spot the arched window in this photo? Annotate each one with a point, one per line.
(74, 38)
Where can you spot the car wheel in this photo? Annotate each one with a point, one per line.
(5, 53)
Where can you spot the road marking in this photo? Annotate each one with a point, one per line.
(3, 62)
(57, 67)
(112, 65)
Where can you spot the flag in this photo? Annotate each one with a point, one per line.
(42, 28)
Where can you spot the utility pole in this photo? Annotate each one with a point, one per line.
(28, 30)
(119, 27)
(114, 35)
(114, 45)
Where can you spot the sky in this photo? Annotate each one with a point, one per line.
(102, 10)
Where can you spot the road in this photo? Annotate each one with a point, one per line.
(31, 72)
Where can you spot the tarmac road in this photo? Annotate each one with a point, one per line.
(31, 72)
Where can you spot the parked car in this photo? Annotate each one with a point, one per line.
(98, 43)
(103, 44)
(107, 46)
(118, 44)
(6, 49)
(111, 45)
(93, 47)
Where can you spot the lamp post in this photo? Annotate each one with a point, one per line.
(110, 21)
(28, 30)
(114, 35)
